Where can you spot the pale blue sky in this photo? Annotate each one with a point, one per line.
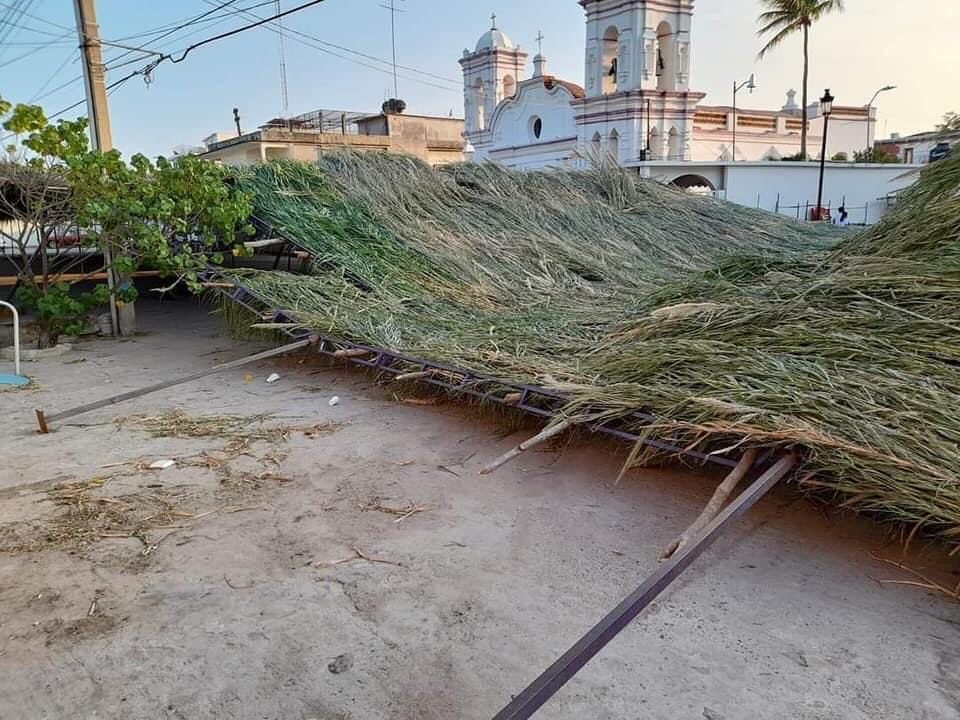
(876, 42)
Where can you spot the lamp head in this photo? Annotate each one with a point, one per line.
(826, 102)
(751, 83)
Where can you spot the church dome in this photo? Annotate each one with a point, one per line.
(494, 39)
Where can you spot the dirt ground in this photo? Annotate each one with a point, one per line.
(333, 562)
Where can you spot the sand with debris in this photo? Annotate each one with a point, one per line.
(349, 562)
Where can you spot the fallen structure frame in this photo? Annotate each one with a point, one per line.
(535, 695)
(546, 404)
(529, 399)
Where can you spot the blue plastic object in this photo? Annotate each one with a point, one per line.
(17, 380)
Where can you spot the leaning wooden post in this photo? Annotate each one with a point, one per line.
(716, 503)
(550, 432)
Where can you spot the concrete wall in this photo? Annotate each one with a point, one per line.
(781, 187)
(790, 188)
(434, 140)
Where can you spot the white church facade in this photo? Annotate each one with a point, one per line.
(636, 105)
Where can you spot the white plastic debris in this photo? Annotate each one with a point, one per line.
(161, 464)
(273, 378)
(334, 401)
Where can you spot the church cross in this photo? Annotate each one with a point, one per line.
(540, 42)
(493, 21)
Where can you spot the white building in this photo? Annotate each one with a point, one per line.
(637, 107)
(921, 148)
(637, 104)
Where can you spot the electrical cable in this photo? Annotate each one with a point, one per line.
(71, 55)
(314, 38)
(24, 13)
(32, 51)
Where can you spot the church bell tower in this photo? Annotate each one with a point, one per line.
(637, 70)
(490, 74)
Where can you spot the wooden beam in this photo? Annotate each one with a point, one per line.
(43, 420)
(11, 280)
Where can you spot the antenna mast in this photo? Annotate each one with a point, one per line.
(392, 7)
(284, 97)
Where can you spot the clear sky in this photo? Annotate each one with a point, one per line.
(913, 45)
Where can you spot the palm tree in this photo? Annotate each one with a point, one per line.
(782, 19)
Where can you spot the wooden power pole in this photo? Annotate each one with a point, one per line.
(100, 135)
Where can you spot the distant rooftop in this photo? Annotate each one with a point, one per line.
(325, 121)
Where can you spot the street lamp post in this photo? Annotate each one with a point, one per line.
(751, 85)
(826, 107)
(886, 88)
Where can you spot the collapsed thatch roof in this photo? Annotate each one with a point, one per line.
(735, 327)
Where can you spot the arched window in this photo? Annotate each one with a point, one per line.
(613, 147)
(478, 103)
(509, 86)
(666, 57)
(596, 145)
(536, 127)
(609, 69)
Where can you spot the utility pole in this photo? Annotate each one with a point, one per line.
(100, 136)
(96, 88)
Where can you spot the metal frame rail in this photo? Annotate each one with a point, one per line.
(537, 693)
(543, 403)
(532, 399)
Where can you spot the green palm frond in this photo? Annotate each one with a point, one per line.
(782, 18)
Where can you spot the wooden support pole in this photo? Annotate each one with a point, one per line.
(352, 353)
(550, 432)
(43, 420)
(414, 375)
(716, 503)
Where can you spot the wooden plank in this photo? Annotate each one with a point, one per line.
(11, 280)
(255, 244)
(43, 420)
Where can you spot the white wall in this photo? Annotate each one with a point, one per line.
(511, 138)
(782, 186)
(847, 135)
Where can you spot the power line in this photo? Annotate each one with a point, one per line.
(33, 51)
(315, 39)
(173, 30)
(236, 31)
(151, 66)
(38, 96)
(24, 13)
(112, 63)
(77, 104)
(11, 17)
(194, 20)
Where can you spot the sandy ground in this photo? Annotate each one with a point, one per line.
(252, 601)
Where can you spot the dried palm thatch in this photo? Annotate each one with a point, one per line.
(736, 327)
(85, 512)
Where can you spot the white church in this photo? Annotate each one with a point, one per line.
(637, 105)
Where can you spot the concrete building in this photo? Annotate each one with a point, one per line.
(637, 103)
(435, 140)
(921, 148)
(637, 107)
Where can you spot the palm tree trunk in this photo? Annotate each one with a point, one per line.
(806, 75)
